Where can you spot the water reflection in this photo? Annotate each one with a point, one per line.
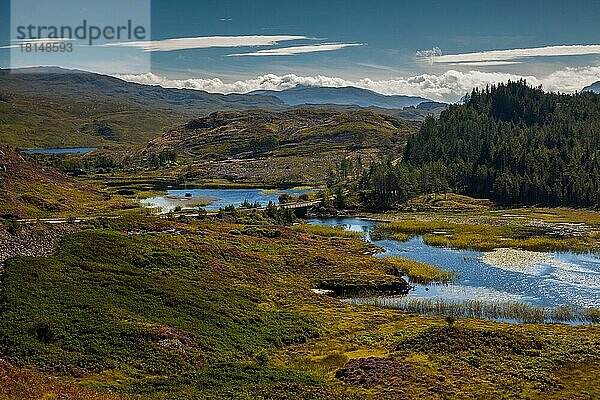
(566, 279)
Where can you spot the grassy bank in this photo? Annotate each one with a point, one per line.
(327, 231)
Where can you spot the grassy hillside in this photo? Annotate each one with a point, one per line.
(298, 132)
(29, 190)
(51, 107)
(299, 145)
(156, 309)
(43, 121)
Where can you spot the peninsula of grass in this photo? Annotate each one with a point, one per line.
(327, 231)
(421, 273)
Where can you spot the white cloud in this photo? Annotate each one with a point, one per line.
(449, 86)
(514, 54)
(291, 51)
(204, 42)
(436, 51)
(485, 63)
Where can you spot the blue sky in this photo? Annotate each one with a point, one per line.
(371, 44)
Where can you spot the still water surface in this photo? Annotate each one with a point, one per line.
(218, 198)
(568, 279)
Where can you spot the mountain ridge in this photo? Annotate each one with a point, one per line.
(346, 95)
(54, 107)
(594, 87)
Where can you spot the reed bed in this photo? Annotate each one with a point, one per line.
(499, 310)
(482, 237)
(421, 273)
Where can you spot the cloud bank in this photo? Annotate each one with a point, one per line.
(507, 55)
(449, 86)
(291, 51)
(205, 42)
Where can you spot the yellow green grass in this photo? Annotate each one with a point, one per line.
(327, 231)
(485, 237)
(421, 273)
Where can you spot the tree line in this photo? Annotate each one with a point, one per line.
(512, 143)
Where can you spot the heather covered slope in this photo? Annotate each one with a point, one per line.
(29, 190)
(274, 148)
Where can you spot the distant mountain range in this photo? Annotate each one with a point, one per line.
(53, 107)
(82, 85)
(348, 95)
(594, 87)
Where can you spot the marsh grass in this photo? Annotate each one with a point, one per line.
(482, 237)
(497, 310)
(422, 273)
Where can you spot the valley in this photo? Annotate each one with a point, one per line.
(235, 247)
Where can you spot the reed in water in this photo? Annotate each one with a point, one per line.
(498, 310)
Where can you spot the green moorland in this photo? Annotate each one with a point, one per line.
(36, 121)
(277, 134)
(151, 308)
(300, 146)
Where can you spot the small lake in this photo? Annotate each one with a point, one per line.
(77, 150)
(561, 279)
(217, 198)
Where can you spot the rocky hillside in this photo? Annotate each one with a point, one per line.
(29, 190)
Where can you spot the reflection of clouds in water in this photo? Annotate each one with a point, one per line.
(515, 260)
(577, 278)
(579, 295)
(559, 266)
